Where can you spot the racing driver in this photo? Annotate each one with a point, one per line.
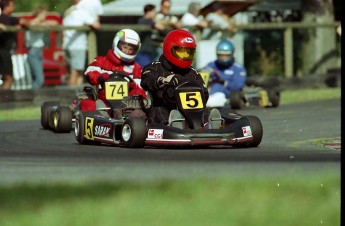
(171, 69)
(121, 58)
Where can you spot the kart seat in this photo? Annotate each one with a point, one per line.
(102, 108)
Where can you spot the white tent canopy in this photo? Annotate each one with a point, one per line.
(136, 7)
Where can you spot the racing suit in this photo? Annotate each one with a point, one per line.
(223, 80)
(101, 69)
(163, 97)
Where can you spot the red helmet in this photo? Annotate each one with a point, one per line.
(179, 48)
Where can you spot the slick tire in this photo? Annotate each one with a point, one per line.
(274, 97)
(237, 99)
(257, 130)
(45, 112)
(63, 120)
(134, 132)
(79, 129)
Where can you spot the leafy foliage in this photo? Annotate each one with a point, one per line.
(52, 5)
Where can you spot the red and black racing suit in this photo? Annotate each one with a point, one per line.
(163, 99)
(103, 66)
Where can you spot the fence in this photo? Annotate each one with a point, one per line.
(286, 28)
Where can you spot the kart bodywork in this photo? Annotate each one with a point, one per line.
(125, 122)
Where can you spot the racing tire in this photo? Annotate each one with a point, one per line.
(79, 129)
(45, 112)
(274, 97)
(63, 120)
(134, 132)
(257, 131)
(236, 99)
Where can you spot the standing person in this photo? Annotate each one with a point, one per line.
(169, 22)
(192, 18)
(173, 68)
(35, 45)
(226, 75)
(147, 53)
(220, 25)
(121, 58)
(75, 42)
(7, 41)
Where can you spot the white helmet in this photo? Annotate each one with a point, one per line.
(126, 38)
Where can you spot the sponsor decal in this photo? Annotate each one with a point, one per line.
(247, 132)
(102, 130)
(188, 40)
(155, 134)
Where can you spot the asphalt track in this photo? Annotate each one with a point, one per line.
(30, 154)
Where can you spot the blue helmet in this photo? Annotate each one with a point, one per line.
(225, 47)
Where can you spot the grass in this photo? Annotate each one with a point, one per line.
(304, 95)
(253, 200)
(287, 97)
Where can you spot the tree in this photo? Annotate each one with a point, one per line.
(318, 48)
(52, 5)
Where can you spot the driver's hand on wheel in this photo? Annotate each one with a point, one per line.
(169, 80)
(103, 77)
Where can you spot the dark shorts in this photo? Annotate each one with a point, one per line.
(6, 67)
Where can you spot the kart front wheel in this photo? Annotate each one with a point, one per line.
(134, 132)
(63, 120)
(79, 129)
(257, 131)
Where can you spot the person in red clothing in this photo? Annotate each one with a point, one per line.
(121, 58)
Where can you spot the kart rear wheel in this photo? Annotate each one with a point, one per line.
(63, 120)
(45, 112)
(274, 97)
(237, 99)
(134, 132)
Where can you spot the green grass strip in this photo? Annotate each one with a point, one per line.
(260, 201)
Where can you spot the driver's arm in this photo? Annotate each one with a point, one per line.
(94, 72)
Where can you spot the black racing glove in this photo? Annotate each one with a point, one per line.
(171, 80)
(103, 77)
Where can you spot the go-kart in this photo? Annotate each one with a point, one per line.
(255, 92)
(61, 118)
(125, 122)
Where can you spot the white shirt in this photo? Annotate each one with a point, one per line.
(217, 20)
(72, 39)
(34, 39)
(189, 19)
(94, 7)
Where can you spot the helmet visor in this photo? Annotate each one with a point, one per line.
(183, 53)
(128, 48)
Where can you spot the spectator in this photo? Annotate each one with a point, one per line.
(7, 41)
(147, 53)
(226, 75)
(75, 42)
(94, 8)
(121, 58)
(220, 25)
(169, 21)
(2, 26)
(173, 68)
(35, 45)
(192, 19)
